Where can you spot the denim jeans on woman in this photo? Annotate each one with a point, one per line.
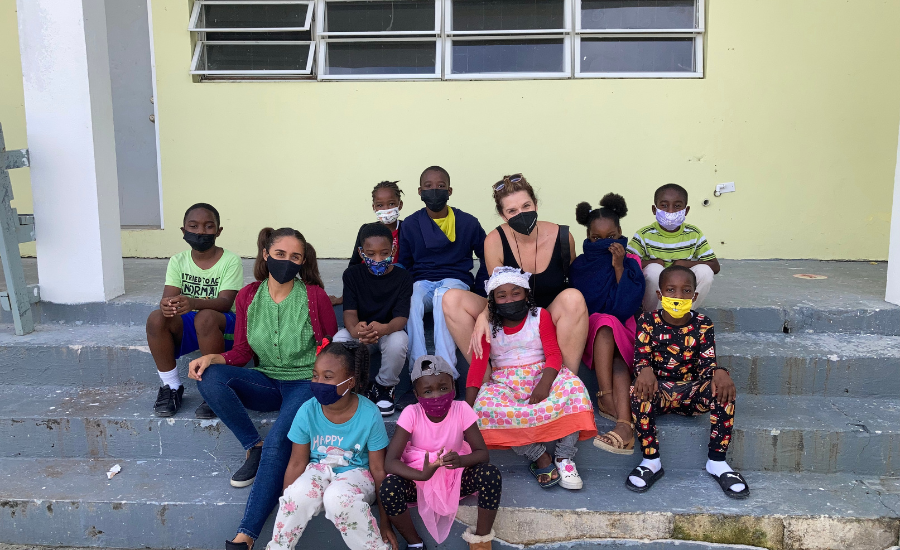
(230, 391)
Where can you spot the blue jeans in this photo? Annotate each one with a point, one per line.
(427, 296)
(230, 391)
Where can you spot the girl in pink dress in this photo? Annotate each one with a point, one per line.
(613, 286)
(436, 457)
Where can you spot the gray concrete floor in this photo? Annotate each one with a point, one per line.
(741, 283)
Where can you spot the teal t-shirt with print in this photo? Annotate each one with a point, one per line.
(342, 446)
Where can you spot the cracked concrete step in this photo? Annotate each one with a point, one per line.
(775, 433)
(188, 504)
(761, 363)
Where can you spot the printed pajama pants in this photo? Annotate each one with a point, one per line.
(397, 492)
(346, 498)
(686, 399)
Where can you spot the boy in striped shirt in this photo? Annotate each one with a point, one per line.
(670, 241)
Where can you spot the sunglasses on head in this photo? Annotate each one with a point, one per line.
(515, 178)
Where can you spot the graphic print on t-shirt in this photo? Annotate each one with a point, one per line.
(195, 286)
(328, 453)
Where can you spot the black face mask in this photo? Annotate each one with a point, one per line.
(201, 242)
(523, 222)
(282, 270)
(514, 311)
(435, 199)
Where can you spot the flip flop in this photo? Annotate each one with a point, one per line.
(538, 472)
(728, 479)
(647, 475)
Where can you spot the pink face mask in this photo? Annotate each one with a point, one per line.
(437, 406)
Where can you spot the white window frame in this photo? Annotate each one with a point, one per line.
(515, 34)
(326, 37)
(193, 26)
(696, 33)
(198, 51)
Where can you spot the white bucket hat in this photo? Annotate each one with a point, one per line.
(503, 275)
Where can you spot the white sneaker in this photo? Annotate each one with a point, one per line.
(568, 474)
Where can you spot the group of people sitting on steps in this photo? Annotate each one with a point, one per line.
(623, 308)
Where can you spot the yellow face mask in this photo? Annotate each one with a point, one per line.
(676, 307)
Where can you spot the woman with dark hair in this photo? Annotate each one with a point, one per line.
(539, 247)
(280, 318)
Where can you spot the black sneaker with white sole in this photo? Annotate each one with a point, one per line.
(247, 473)
(168, 401)
(383, 397)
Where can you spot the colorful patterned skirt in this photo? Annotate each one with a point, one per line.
(506, 419)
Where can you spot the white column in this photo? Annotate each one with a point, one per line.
(69, 117)
(893, 277)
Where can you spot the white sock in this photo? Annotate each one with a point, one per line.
(719, 467)
(654, 465)
(171, 378)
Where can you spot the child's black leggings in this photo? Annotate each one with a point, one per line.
(396, 492)
(687, 399)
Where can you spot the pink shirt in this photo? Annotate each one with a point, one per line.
(431, 436)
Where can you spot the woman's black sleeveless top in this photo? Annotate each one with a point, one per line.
(547, 285)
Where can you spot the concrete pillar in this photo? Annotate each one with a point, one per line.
(69, 119)
(893, 278)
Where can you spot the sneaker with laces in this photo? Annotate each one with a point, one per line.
(247, 473)
(383, 397)
(168, 401)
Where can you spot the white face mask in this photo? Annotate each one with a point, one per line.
(388, 216)
(670, 221)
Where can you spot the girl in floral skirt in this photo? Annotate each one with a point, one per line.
(530, 397)
(338, 456)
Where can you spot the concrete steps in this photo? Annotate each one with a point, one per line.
(833, 365)
(816, 363)
(188, 503)
(775, 433)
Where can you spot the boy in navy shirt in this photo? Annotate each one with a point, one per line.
(436, 246)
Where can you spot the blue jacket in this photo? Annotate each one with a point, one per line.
(593, 275)
(430, 256)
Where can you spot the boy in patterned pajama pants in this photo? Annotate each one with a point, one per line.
(675, 363)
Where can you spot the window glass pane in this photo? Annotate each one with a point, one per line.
(381, 57)
(637, 14)
(483, 15)
(639, 55)
(508, 56)
(248, 16)
(303, 36)
(255, 57)
(413, 15)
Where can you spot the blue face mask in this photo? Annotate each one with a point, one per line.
(326, 394)
(601, 246)
(377, 268)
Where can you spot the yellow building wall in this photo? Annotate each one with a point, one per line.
(12, 108)
(800, 108)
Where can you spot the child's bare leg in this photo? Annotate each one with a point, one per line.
(485, 521)
(163, 334)
(210, 327)
(621, 393)
(604, 351)
(404, 525)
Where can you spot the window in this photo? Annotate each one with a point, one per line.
(447, 39)
(639, 38)
(378, 39)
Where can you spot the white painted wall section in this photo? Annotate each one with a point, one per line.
(893, 277)
(69, 118)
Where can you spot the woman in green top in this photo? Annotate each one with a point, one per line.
(280, 318)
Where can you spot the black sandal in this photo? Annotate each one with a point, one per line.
(728, 479)
(645, 474)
